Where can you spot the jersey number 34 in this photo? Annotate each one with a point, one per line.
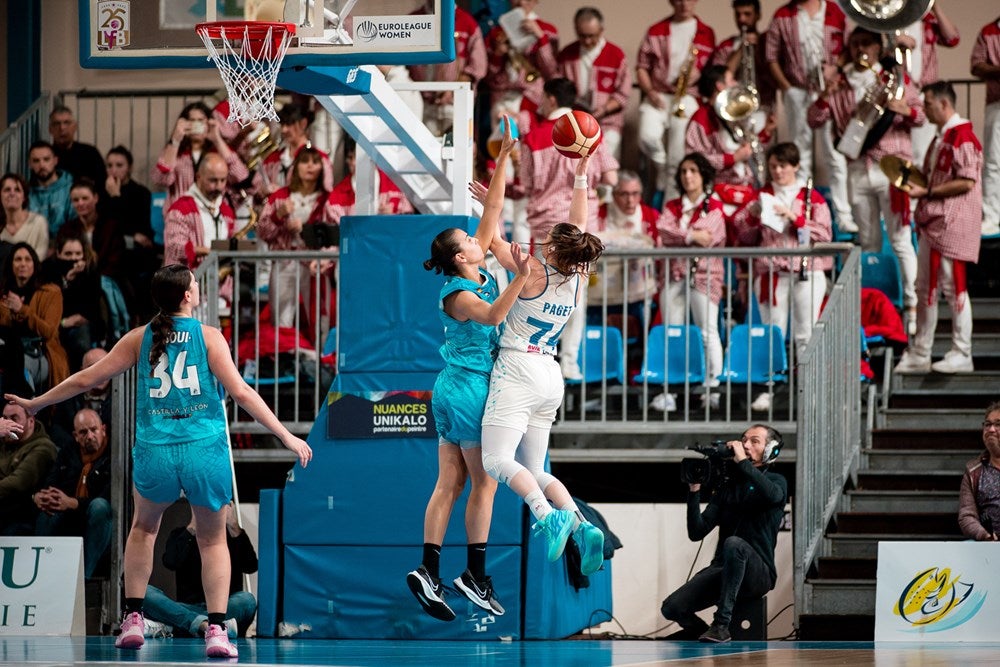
(181, 376)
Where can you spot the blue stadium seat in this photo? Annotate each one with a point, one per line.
(156, 215)
(755, 354)
(881, 271)
(674, 355)
(601, 356)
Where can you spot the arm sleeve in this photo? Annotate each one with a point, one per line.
(700, 524)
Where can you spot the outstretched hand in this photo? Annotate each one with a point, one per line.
(581, 166)
(509, 142)
(301, 449)
(478, 192)
(522, 260)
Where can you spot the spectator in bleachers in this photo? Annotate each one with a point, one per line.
(979, 496)
(601, 74)
(304, 201)
(872, 198)
(49, 186)
(78, 159)
(74, 269)
(626, 224)
(678, 45)
(949, 222)
(985, 63)
(195, 136)
(546, 177)
(729, 52)
(75, 500)
(101, 231)
(513, 82)
(17, 223)
(199, 216)
(342, 198)
(694, 286)
(275, 172)
(96, 398)
(783, 283)
(129, 204)
(187, 614)
(30, 311)
(469, 65)
(731, 155)
(25, 460)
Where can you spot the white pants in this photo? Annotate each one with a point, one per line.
(661, 139)
(806, 298)
(927, 313)
(613, 142)
(572, 335)
(869, 192)
(921, 137)
(705, 315)
(991, 163)
(797, 101)
(285, 290)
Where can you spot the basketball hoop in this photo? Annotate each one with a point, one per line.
(248, 55)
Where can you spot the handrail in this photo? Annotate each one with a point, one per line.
(15, 140)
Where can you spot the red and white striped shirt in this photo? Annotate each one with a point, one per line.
(470, 56)
(180, 177)
(676, 224)
(929, 67)
(391, 199)
(953, 225)
(275, 171)
(766, 87)
(505, 81)
(784, 44)
(987, 52)
(184, 230)
(272, 227)
(706, 135)
(654, 54)
(610, 77)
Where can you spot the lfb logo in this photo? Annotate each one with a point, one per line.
(9, 556)
(934, 600)
(367, 31)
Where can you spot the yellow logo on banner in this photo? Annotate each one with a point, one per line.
(934, 594)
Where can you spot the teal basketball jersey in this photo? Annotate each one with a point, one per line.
(469, 344)
(179, 399)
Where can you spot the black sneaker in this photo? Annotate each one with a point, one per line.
(480, 593)
(429, 593)
(717, 634)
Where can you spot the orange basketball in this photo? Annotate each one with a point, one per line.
(576, 134)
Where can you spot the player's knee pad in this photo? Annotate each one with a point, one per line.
(544, 479)
(500, 468)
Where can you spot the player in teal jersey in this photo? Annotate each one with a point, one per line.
(471, 311)
(180, 441)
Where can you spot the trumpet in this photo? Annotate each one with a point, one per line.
(262, 145)
(683, 82)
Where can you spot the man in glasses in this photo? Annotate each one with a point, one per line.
(979, 498)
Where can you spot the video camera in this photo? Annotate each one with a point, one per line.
(700, 471)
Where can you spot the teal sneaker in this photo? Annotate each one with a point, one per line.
(556, 528)
(590, 541)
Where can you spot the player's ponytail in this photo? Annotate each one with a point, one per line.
(168, 288)
(444, 247)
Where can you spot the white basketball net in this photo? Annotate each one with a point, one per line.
(248, 59)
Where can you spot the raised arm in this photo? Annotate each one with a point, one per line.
(467, 306)
(489, 223)
(578, 204)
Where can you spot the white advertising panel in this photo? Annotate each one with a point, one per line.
(41, 586)
(937, 591)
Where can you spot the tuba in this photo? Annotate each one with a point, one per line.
(885, 16)
(871, 118)
(736, 106)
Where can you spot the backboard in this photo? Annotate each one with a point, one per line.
(144, 34)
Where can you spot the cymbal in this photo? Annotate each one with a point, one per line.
(901, 172)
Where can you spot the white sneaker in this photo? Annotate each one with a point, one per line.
(762, 403)
(847, 226)
(664, 402)
(953, 362)
(912, 364)
(154, 629)
(712, 399)
(232, 629)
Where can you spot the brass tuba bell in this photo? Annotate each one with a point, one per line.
(885, 15)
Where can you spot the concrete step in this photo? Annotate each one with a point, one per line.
(933, 439)
(894, 480)
(953, 419)
(985, 344)
(891, 523)
(846, 568)
(947, 383)
(953, 399)
(902, 501)
(841, 596)
(837, 627)
(860, 545)
(918, 459)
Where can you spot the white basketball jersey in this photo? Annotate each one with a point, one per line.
(534, 325)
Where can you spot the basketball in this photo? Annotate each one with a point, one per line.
(576, 134)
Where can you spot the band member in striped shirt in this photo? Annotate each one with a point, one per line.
(729, 52)
(986, 66)
(673, 51)
(871, 198)
(948, 219)
(803, 46)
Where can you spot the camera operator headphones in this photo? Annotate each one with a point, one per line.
(771, 450)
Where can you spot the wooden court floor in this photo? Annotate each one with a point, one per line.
(582, 653)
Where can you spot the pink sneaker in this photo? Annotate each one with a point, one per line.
(131, 632)
(217, 644)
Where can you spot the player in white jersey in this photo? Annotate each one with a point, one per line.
(526, 386)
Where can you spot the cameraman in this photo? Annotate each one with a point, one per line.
(748, 508)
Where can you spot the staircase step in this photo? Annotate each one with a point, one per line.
(829, 567)
(841, 596)
(936, 439)
(946, 383)
(984, 344)
(860, 500)
(948, 480)
(837, 627)
(864, 545)
(953, 419)
(939, 523)
(918, 459)
(968, 399)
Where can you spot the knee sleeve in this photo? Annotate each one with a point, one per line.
(500, 468)
(544, 479)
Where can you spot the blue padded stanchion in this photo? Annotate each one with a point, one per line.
(268, 562)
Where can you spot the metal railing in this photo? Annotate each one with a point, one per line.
(29, 127)
(829, 422)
